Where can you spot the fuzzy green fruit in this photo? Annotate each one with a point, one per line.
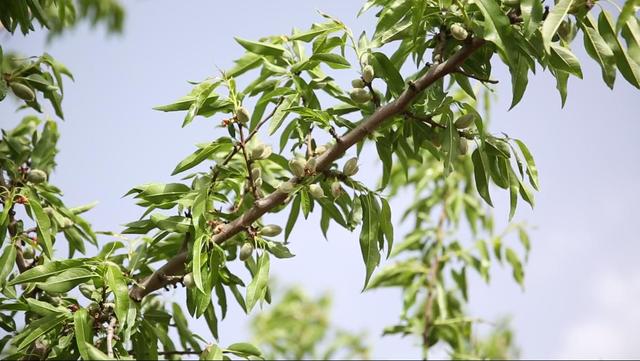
(316, 191)
(242, 115)
(458, 32)
(357, 83)
(360, 95)
(256, 173)
(368, 74)
(465, 121)
(297, 167)
(310, 166)
(350, 167)
(463, 146)
(336, 189)
(36, 176)
(287, 187)
(27, 252)
(245, 251)
(320, 150)
(66, 223)
(23, 92)
(188, 280)
(271, 230)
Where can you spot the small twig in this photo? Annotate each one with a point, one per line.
(335, 135)
(110, 332)
(243, 148)
(484, 80)
(429, 120)
(309, 144)
(237, 147)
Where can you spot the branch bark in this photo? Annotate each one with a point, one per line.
(176, 265)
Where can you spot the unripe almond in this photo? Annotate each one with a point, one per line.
(463, 146)
(368, 74)
(271, 230)
(465, 121)
(66, 223)
(257, 182)
(266, 152)
(320, 150)
(316, 191)
(242, 115)
(458, 32)
(256, 173)
(297, 167)
(27, 252)
(357, 83)
(23, 92)
(336, 189)
(350, 167)
(36, 176)
(257, 151)
(286, 187)
(310, 166)
(360, 95)
(245, 251)
(48, 211)
(188, 280)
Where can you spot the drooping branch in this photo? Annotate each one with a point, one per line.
(176, 265)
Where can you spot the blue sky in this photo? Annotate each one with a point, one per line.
(582, 280)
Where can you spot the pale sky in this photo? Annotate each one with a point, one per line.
(582, 280)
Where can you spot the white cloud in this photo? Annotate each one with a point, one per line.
(611, 325)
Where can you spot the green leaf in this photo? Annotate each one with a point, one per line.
(66, 280)
(42, 220)
(38, 328)
(7, 261)
(531, 15)
(497, 27)
(598, 49)
(368, 237)
(200, 155)
(197, 263)
(282, 112)
(628, 12)
(385, 69)
(47, 270)
(519, 69)
(630, 70)
(532, 170)
(95, 353)
(386, 223)
(514, 189)
(44, 308)
(261, 48)
(293, 216)
(244, 349)
(334, 61)
(553, 21)
(480, 175)
(631, 34)
(118, 285)
(183, 328)
(211, 352)
(563, 59)
(258, 286)
(518, 270)
(83, 327)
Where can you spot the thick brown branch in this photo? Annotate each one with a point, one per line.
(175, 266)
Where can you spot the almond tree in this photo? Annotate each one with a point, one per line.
(290, 142)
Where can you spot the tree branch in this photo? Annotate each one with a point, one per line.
(176, 266)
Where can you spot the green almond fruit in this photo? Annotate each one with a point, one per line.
(465, 121)
(458, 32)
(368, 74)
(36, 176)
(357, 83)
(188, 280)
(350, 167)
(360, 95)
(297, 167)
(23, 92)
(245, 251)
(463, 146)
(316, 191)
(271, 230)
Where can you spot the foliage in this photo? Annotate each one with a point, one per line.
(298, 328)
(290, 141)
